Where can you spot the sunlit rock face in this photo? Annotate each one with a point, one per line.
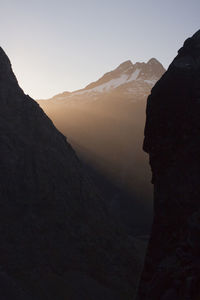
(56, 239)
(172, 139)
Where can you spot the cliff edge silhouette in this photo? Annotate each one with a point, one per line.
(172, 139)
(57, 239)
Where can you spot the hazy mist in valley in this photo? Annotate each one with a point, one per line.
(108, 136)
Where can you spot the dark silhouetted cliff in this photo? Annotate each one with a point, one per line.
(172, 139)
(56, 239)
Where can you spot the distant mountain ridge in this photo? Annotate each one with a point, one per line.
(127, 79)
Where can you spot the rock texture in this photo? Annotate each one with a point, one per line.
(172, 139)
(52, 221)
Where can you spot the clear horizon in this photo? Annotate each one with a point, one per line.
(57, 46)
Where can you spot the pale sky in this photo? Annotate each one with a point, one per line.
(63, 45)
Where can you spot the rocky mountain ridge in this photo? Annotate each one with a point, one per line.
(127, 79)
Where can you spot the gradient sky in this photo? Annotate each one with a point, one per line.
(63, 45)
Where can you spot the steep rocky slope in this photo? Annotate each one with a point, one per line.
(172, 268)
(57, 241)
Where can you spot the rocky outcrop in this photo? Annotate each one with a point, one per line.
(172, 139)
(52, 221)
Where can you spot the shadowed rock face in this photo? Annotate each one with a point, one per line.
(172, 139)
(52, 221)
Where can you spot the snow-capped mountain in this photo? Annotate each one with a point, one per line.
(105, 124)
(128, 79)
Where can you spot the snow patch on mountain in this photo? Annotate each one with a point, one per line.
(152, 81)
(111, 84)
(134, 75)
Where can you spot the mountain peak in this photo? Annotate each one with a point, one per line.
(192, 42)
(125, 65)
(153, 61)
(2, 53)
(4, 60)
(196, 35)
(6, 72)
